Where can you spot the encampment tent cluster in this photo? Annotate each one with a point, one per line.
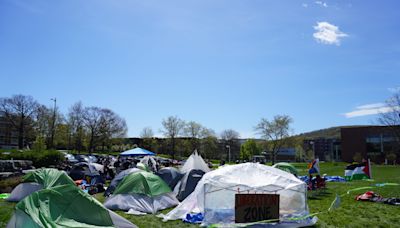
(49, 198)
(55, 201)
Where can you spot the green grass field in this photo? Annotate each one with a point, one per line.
(351, 213)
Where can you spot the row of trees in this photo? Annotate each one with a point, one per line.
(81, 128)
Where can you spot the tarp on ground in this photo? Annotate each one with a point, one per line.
(143, 192)
(286, 167)
(37, 180)
(64, 206)
(137, 152)
(214, 195)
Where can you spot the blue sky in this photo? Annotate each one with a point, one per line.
(225, 64)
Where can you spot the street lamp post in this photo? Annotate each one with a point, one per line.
(229, 152)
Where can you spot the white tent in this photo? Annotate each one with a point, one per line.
(150, 162)
(214, 195)
(195, 161)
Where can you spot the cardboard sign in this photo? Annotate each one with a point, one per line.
(256, 207)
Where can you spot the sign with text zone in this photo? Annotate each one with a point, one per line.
(256, 207)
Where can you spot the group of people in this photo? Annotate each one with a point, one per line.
(316, 182)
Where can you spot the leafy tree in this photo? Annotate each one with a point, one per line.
(19, 110)
(249, 149)
(172, 128)
(275, 132)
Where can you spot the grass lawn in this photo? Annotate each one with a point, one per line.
(351, 213)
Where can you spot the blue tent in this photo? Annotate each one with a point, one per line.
(137, 152)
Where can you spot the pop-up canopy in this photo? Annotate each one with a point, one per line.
(137, 152)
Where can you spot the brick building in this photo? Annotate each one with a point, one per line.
(374, 142)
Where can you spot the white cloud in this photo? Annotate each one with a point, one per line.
(305, 5)
(394, 90)
(327, 33)
(369, 109)
(321, 3)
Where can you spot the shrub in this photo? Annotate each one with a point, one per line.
(40, 159)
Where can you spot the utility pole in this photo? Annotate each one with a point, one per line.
(229, 152)
(53, 124)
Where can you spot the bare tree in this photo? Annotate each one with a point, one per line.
(229, 135)
(230, 140)
(193, 130)
(92, 120)
(111, 126)
(146, 133)
(276, 132)
(391, 117)
(47, 121)
(75, 123)
(19, 111)
(172, 128)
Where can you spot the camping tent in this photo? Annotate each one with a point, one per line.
(118, 179)
(286, 167)
(188, 183)
(84, 170)
(193, 169)
(170, 175)
(214, 195)
(37, 180)
(64, 206)
(195, 161)
(141, 191)
(137, 152)
(150, 163)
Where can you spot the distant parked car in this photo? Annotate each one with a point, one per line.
(82, 158)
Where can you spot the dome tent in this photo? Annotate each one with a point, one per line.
(141, 191)
(286, 167)
(117, 179)
(170, 175)
(214, 195)
(37, 180)
(64, 206)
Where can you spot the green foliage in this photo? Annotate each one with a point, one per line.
(45, 158)
(249, 149)
(39, 145)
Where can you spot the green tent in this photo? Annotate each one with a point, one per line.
(141, 191)
(48, 177)
(142, 183)
(64, 206)
(286, 167)
(37, 180)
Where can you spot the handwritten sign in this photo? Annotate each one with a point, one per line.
(256, 207)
